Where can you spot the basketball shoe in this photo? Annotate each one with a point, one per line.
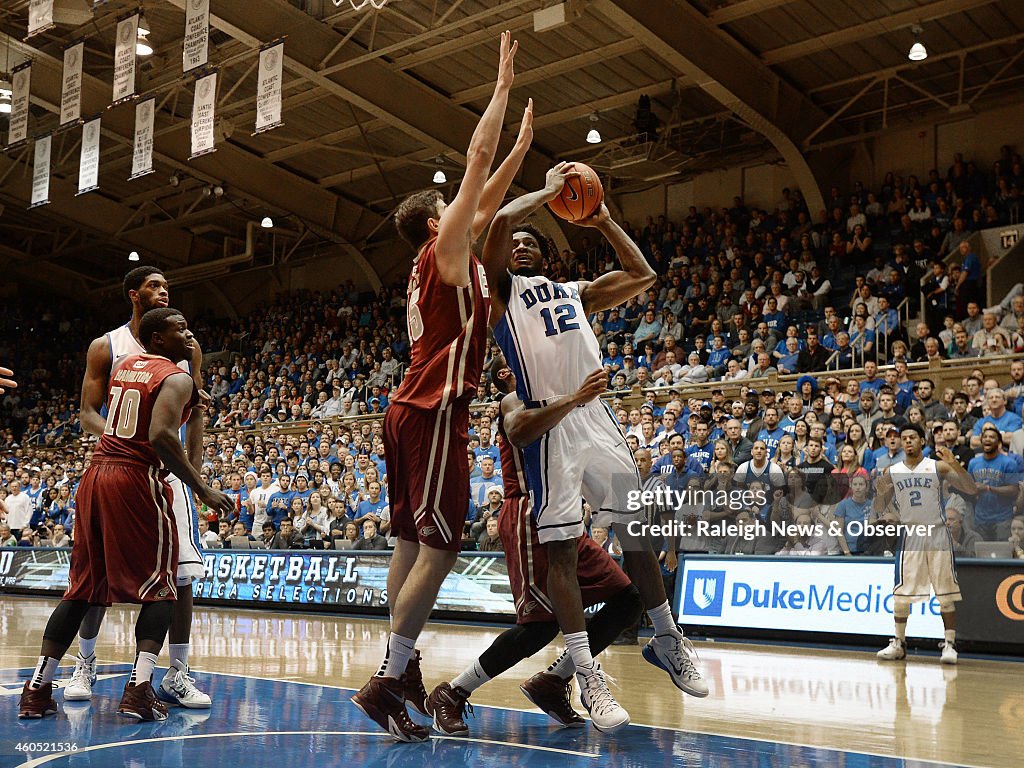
(415, 693)
(949, 654)
(675, 655)
(79, 687)
(180, 689)
(36, 704)
(139, 702)
(382, 701)
(449, 706)
(895, 651)
(551, 694)
(605, 712)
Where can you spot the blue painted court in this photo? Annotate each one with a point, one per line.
(257, 723)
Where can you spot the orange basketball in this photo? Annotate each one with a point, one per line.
(581, 196)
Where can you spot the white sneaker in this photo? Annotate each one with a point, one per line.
(895, 651)
(181, 689)
(949, 654)
(605, 712)
(79, 687)
(676, 656)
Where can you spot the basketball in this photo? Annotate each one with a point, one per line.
(581, 196)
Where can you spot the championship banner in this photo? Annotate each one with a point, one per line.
(124, 59)
(40, 16)
(203, 115)
(71, 85)
(17, 130)
(142, 143)
(41, 172)
(194, 51)
(268, 95)
(89, 162)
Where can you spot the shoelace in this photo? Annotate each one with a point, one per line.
(601, 699)
(461, 706)
(682, 653)
(185, 681)
(83, 672)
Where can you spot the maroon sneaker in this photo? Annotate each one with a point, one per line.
(448, 706)
(551, 694)
(382, 701)
(36, 704)
(139, 702)
(415, 693)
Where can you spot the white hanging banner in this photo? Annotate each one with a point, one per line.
(41, 172)
(142, 144)
(40, 16)
(21, 82)
(124, 59)
(71, 85)
(197, 34)
(89, 162)
(203, 108)
(268, 94)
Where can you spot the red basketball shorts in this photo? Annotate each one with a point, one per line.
(126, 545)
(428, 474)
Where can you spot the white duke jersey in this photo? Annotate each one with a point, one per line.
(546, 338)
(918, 493)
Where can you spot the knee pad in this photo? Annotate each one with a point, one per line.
(947, 604)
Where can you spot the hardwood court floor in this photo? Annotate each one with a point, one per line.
(845, 701)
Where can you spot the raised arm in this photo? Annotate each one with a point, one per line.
(951, 469)
(525, 425)
(498, 245)
(614, 288)
(455, 229)
(497, 186)
(884, 493)
(94, 386)
(174, 395)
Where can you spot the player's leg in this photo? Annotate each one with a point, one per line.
(37, 695)
(947, 588)
(139, 701)
(178, 686)
(79, 687)
(897, 648)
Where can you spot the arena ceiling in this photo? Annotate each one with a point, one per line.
(373, 98)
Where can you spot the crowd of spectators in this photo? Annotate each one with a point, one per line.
(741, 293)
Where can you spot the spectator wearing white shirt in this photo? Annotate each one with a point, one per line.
(19, 508)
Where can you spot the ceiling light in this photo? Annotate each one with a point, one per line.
(6, 93)
(439, 177)
(133, 256)
(143, 25)
(142, 46)
(267, 223)
(594, 136)
(917, 51)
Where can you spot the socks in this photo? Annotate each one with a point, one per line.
(577, 645)
(87, 647)
(663, 621)
(142, 672)
(563, 666)
(901, 631)
(46, 670)
(950, 636)
(471, 678)
(179, 658)
(396, 659)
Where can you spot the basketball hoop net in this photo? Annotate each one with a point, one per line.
(358, 5)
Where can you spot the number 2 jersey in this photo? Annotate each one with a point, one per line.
(546, 339)
(447, 333)
(134, 386)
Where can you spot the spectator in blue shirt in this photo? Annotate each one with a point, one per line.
(648, 329)
(718, 356)
(700, 449)
(871, 380)
(999, 474)
(1003, 420)
(854, 508)
(771, 432)
(612, 362)
(281, 501)
(774, 317)
(372, 508)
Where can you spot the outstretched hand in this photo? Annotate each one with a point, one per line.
(6, 382)
(600, 216)
(526, 127)
(506, 71)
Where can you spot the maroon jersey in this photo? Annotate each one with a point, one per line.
(512, 474)
(448, 333)
(134, 386)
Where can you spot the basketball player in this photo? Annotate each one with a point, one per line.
(542, 329)
(426, 426)
(145, 288)
(126, 550)
(600, 579)
(924, 562)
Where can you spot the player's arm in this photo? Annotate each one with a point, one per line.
(5, 381)
(94, 386)
(454, 231)
(615, 288)
(498, 244)
(884, 493)
(951, 469)
(174, 395)
(497, 186)
(525, 425)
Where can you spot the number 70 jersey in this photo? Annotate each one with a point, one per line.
(546, 339)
